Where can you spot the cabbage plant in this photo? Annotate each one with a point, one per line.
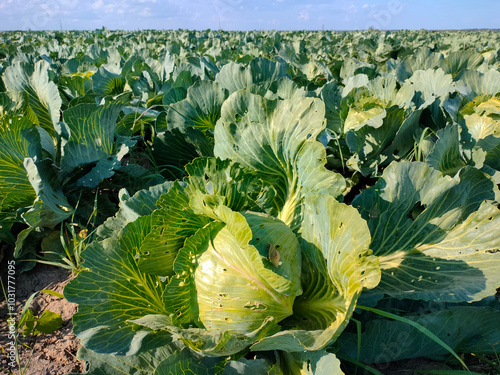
(252, 251)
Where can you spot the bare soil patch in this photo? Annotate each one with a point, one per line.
(45, 354)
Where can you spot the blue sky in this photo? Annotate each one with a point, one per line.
(248, 14)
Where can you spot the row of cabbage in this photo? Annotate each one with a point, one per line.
(251, 187)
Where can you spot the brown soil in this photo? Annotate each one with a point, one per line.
(54, 353)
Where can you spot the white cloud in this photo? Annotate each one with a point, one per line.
(97, 4)
(146, 12)
(304, 15)
(350, 8)
(3, 4)
(109, 7)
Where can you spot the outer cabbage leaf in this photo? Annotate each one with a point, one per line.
(174, 95)
(144, 363)
(167, 359)
(201, 108)
(31, 87)
(277, 139)
(446, 156)
(458, 61)
(91, 139)
(336, 266)
(257, 77)
(73, 86)
(91, 134)
(466, 329)
(354, 82)
(310, 70)
(490, 108)
(436, 236)
(50, 206)
(173, 150)
(107, 83)
(197, 67)
(311, 363)
(369, 144)
(422, 58)
(141, 203)
(483, 126)
(185, 362)
(409, 133)
(373, 116)
(113, 292)
(228, 183)
(353, 67)
(136, 120)
(431, 89)
(265, 71)
(366, 105)
(285, 88)
(369, 113)
(234, 77)
(20, 140)
(487, 83)
(218, 342)
(171, 224)
(26, 179)
(254, 366)
(143, 81)
(332, 96)
(6, 104)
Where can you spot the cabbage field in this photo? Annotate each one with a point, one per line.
(259, 202)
